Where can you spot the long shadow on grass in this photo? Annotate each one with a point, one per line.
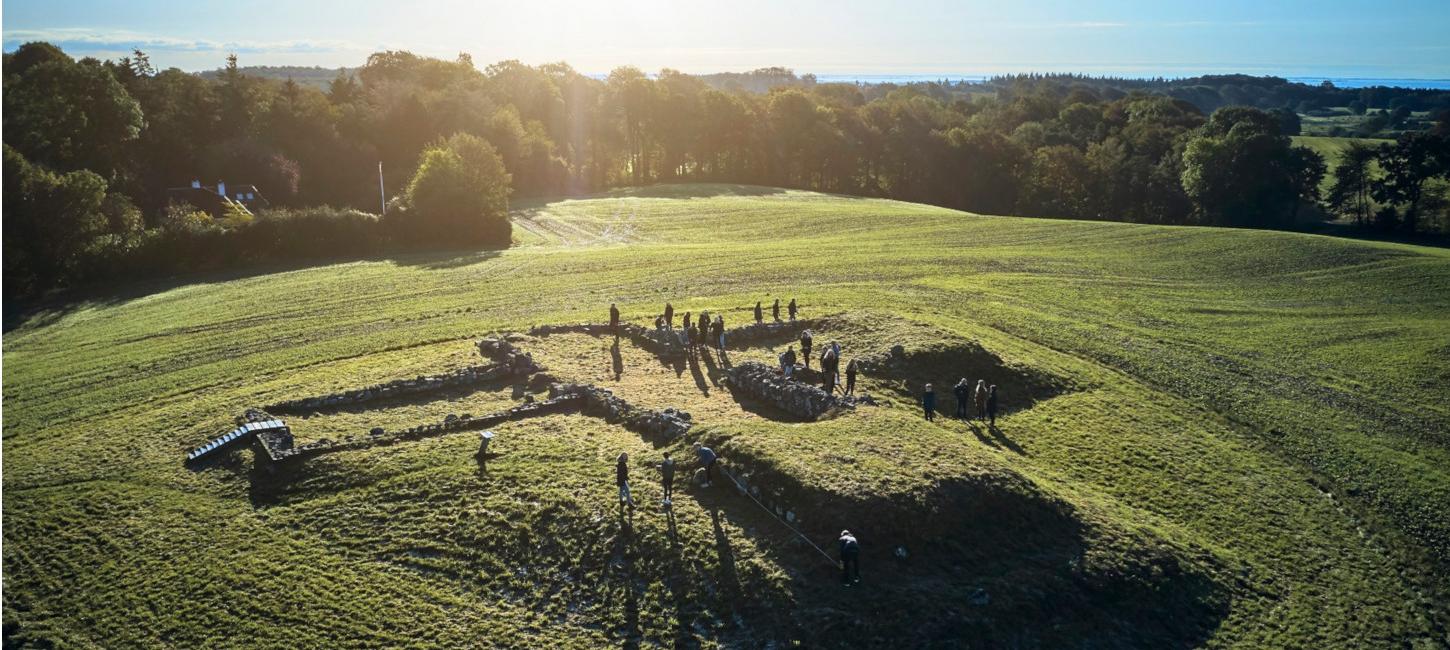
(698, 375)
(992, 561)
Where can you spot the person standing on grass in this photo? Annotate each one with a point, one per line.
(720, 333)
(614, 319)
(835, 364)
(707, 461)
(775, 310)
(850, 552)
(963, 392)
(667, 477)
(828, 369)
(981, 399)
(759, 315)
(992, 406)
(791, 309)
(704, 331)
(669, 315)
(621, 476)
(806, 347)
(928, 403)
(851, 369)
(787, 361)
(685, 331)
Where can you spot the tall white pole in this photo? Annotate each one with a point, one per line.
(382, 196)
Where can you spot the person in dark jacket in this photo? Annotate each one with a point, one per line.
(806, 347)
(614, 319)
(667, 477)
(669, 315)
(828, 369)
(685, 332)
(759, 315)
(707, 461)
(775, 310)
(791, 309)
(787, 361)
(851, 369)
(963, 392)
(704, 330)
(992, 406)
(928, 402)
(621, 476)
(720, 333)
(850, 559)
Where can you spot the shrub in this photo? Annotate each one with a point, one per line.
(459, 195)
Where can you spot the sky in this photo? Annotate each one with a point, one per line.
(1331, 38)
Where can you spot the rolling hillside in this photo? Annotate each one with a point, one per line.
(1210, 437)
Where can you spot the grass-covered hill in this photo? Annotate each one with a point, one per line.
(1211, 437)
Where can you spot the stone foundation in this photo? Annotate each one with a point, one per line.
(667, 342)
(502, 351)
(277, 445)
(516, 367)
(808, 401)
(509, 361)
(655, 426)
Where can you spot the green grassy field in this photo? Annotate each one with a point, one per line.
(1332, 148)
(1246, 444)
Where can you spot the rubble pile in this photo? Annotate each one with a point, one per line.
(766, 383)
(656, 426)
(398, 388)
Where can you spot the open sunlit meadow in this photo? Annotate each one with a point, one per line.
(1209, 437)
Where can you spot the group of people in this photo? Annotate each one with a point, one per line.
(830, 364)
(984, 397)
(775, 311)
(706, 332)
(706, 461)
(702, 332)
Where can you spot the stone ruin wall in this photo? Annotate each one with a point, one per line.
(667, 342)
(661, 426)
(399, 388)
(805, 400)
(280, 450)
(752, 379)
(656, 426)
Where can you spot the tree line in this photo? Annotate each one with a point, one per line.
(91, 148)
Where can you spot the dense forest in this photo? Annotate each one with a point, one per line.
(93, 148)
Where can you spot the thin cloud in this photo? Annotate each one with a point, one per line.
(82, 38)
(1085, 24)
(1212, 23)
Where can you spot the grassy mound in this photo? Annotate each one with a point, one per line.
(1212, 437)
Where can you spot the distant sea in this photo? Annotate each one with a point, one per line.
(1342, 82)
